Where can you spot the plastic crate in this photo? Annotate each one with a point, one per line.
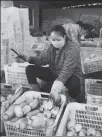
(86, 115)
(3, 58)
(12, 131)
(94, 100)
(92, 65)
(16, 75)
(93, 89)
(93, 86)
(87, 51)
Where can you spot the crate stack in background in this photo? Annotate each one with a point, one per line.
(16, 41)
(91, 58)
(15, 74)
(4, 36)
(93, 88)
(15, 34)
(11, 31)
(15, 30)
(24, 16)
(3, 58)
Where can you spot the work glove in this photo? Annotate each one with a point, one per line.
(55, 92)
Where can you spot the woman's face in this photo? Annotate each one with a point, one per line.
(57, 40)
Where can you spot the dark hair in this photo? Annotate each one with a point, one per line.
(59, 29)
(80, 23)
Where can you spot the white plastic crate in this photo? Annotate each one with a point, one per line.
(93, 86)
(16, 75)
(49, 131)
(4, 47)
(93, 89)
(94, 100)
(87, 115)
(3, 58)
(94, 64)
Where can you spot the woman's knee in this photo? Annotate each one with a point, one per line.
(73, 86)
(29, 69)
(74, 91)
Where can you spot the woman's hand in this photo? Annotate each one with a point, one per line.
(55, 92)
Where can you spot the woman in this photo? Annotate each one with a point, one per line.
(63, 57)
(87, 30)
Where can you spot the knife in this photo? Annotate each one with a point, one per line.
(17, 54)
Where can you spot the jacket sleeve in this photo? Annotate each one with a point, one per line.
(43, 59)
(69, 65)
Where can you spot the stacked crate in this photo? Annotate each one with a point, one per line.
(92, 64)
(93, 87)
(4, 36)
(3, 58)
(24, 17)
(15, 30)
(15, 34)
(16, 41)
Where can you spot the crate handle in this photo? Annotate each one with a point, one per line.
(44, 95)
(91, 108)
(100, 82)
(7, 86)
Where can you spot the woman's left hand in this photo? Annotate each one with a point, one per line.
(55, 92)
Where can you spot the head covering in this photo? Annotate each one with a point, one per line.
(73, 31)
